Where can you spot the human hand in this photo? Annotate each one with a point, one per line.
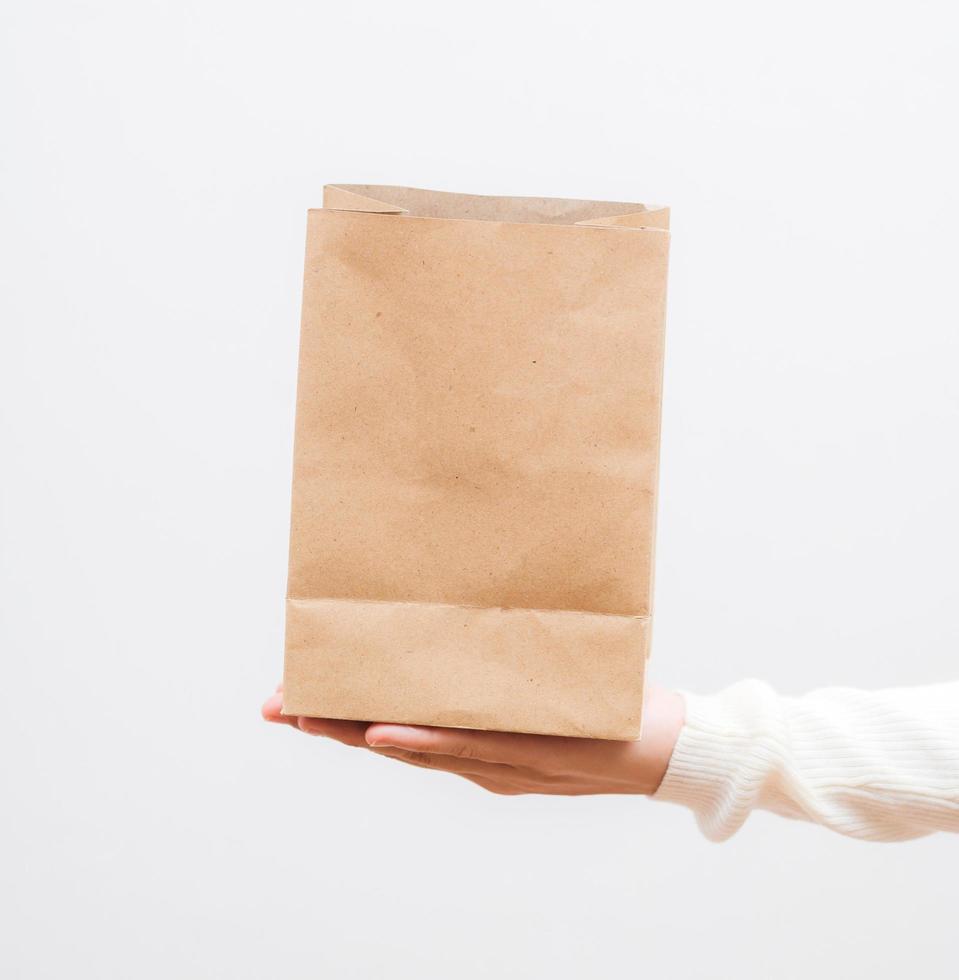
(511, 764)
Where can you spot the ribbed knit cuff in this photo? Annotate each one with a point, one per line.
(724, 753)
(881, 765)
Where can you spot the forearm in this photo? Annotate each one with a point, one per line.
(878, 765)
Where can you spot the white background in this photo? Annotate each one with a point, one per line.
(156, 165)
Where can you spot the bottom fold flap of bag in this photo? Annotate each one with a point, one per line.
(539, 671)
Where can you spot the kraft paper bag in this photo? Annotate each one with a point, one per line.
(476, 455)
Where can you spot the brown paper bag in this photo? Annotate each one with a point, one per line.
(477, 441)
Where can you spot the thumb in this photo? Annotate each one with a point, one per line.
(463, 743)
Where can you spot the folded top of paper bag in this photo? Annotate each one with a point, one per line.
(384, 199)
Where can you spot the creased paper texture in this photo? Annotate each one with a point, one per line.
(475, 465)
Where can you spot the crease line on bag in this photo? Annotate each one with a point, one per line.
(643, 617)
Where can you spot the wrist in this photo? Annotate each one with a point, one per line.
(665, 714)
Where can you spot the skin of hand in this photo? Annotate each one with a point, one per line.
(511, 764)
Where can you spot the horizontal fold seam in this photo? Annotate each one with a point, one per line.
(645, 617)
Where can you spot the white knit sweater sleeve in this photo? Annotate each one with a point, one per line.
(881, 765)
